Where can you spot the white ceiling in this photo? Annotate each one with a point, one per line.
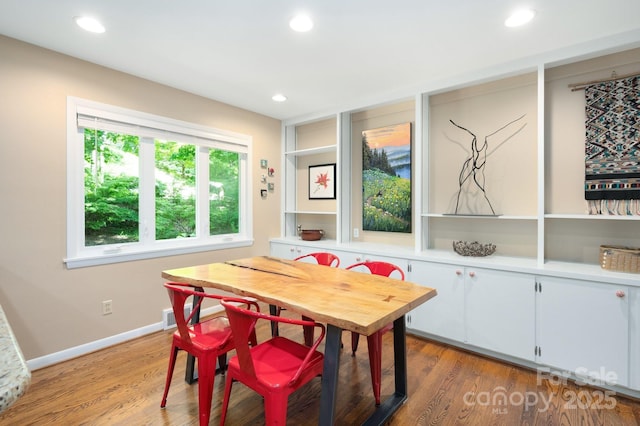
(359, 53)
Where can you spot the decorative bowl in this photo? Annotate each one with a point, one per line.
(311, 234)
(476, 249)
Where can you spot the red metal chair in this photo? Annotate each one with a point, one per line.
(274, 368)
(322, 258)
(374, 342)
(206, 341)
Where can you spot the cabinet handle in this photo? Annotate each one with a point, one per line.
(472, 274)
(620, 293)
(458, 272)
(292, 249)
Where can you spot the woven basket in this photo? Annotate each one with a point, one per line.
(617, 258)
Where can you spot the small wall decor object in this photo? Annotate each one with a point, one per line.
(475, 249)
(263, 178)
(322, 182)
(263, 193)
(263, 164)
(386, 179)
(270, 186)
(271, 171)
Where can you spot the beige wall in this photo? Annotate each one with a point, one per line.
(49, 307)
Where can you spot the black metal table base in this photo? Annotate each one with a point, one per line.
(330, 376)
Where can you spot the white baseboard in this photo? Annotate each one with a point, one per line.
(76, 351)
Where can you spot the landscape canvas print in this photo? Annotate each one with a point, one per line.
(386, 179)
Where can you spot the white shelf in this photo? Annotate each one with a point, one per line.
(591, 216)
(470, 216)
(312, 151)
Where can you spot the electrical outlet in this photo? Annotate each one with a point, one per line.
(356, 232)
(107, 307)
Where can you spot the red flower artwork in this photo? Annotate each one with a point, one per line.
(323, 179)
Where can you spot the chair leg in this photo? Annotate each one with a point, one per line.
(172, 364)
(253, 340)
(222, 362)
(225, 401)
(274, 310)
(355, 338)
(374, 342)
(206, 376)
(275, 409)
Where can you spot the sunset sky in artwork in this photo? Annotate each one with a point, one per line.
(397, 135)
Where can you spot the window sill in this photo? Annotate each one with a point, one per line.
(105, 259)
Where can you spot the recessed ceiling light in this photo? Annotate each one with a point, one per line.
(301, 23)
(279, 97)
(89, 24)
(520, 17)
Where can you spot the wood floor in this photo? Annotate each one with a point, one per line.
(123, 385)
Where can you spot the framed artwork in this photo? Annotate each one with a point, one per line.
(386, 179)
(322, 182)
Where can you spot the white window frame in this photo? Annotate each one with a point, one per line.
(147, 127)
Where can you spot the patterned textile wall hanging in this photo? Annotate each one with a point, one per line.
(612, 156)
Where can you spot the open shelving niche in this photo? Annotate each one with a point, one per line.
(537, 174)
(304, 145)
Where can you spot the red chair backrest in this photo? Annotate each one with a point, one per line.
(243, 322)
(323, 258)
(178, 294)
(379, 268)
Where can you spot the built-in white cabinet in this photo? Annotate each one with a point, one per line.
(444, 314)
(583, 328)
(573, 327)
(499, 311)
(288, 251)
(490, 309)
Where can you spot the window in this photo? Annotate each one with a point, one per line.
(142, 186)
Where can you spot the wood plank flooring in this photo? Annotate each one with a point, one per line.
(123, 385)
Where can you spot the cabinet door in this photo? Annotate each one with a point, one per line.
(500, 311)
(583, 328)
(634, 333)
(285, 251)
(442, 315)
(348, 258)
(288, 251)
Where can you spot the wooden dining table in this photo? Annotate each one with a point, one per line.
(344, 300)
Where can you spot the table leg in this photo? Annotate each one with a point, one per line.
(330, 375)
(395, 401)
